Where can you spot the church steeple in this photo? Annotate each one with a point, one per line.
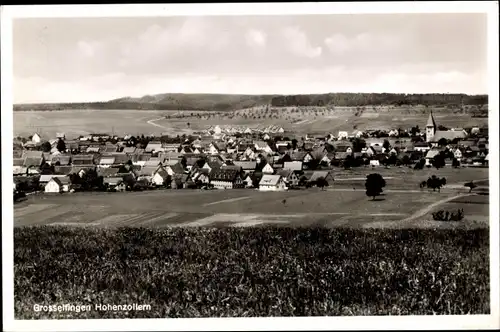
(430, 121)
(430, 128)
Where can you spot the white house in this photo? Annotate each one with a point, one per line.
(106, 162)
(268, 169)
(217, 130)
(374, 163)
(212, 149)
(160, 177)
(58, 185)
(281, 130)
(36, 138)
(343, 135)
(393, 133)
(272, 183)
(262, 146)
(248, 131)
(457, 154)
(266, 137)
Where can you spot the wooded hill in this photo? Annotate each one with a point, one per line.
(228, 102)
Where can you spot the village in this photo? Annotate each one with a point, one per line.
(230, 157)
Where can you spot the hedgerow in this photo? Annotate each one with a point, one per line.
(238, 272)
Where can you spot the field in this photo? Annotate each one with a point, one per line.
(207, 272)
(342, 204)
(82, 122)
(305, 120)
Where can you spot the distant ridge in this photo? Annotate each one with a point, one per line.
(229, 102)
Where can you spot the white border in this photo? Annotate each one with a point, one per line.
(319, 323)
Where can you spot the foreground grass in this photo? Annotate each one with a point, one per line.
(251, 271)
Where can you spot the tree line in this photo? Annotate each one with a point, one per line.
(375, 99)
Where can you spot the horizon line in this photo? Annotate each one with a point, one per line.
(251, 94)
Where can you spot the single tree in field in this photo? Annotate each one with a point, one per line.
(374, 184)
(436, 183)
(321, 183)
(471, 185)
(188, 124)
(61, 146)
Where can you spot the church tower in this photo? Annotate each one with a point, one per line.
(430, 128)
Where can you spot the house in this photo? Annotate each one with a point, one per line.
(321, 174)
(357, 133)
(201, 175)
(247, 180)
(293, 165)
(266, 137)
(367, 151)
(267, 169)
(342, 135)
(290, 177)
(213, 149)
(247, 166)
(430, 156)
(262, 146)
(36, 139)
(171, 147)
(154, 146)
(327, 158)
(226, 179)
(457, 153)
(160, 177)
(175, 169)
(394, 133)
(374, 162)
(113, 181)
(107, 172)
(421, 146)
(270, 182)
(302, 156)
(60, 160)
(106, 161)
(58, 185)
(35, 162)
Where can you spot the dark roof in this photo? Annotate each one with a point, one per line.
(18, 162)
(246, 165)
(62, 159)
(223, 175)
(63, 170)
(177, 168)
(107, 172)
(32, 161)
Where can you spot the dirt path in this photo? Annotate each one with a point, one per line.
(151, 122)
(418, 214)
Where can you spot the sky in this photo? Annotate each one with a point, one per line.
(97, 59)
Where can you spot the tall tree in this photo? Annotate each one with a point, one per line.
(61, 145)
(374, 184)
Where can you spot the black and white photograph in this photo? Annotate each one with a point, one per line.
(283, 161)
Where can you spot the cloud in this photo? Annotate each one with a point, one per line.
(256, 38)
(298, 43)
(87, 49)
(340, 44)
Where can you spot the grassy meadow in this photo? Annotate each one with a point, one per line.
(228, 272)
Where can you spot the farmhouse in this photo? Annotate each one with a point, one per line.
(160, 177)
(290, 177)
(270, 182)
(225, 179)
(58, 185)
